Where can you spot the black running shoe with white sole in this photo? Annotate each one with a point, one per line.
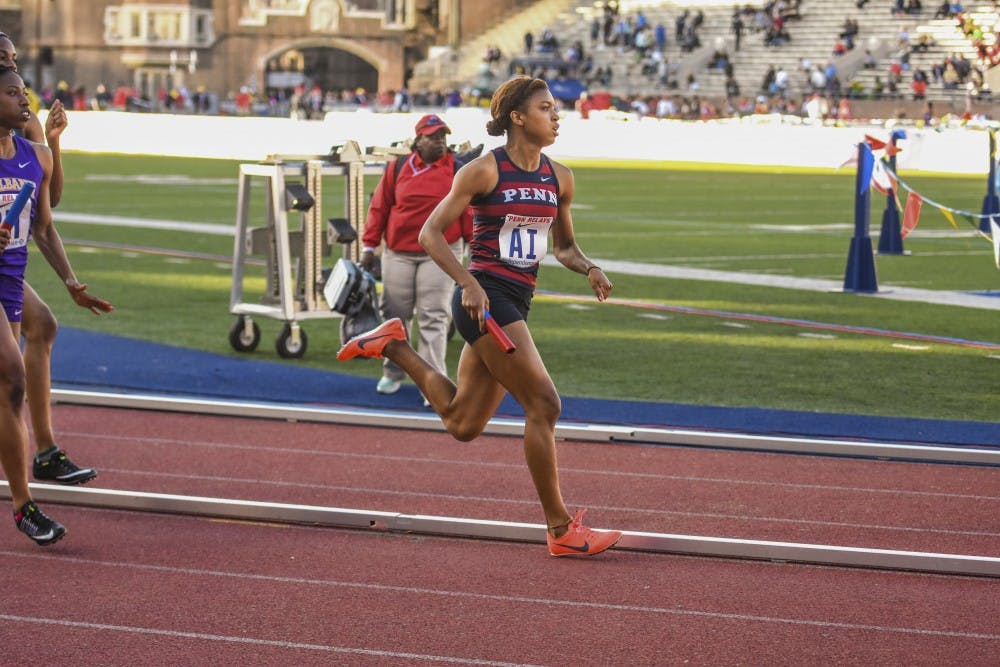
(54, 466)
(32, 522)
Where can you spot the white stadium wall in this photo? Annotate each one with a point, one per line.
(754, 141)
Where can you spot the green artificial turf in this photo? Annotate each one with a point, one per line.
(173, 286)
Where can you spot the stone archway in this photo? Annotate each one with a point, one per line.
(321, 64)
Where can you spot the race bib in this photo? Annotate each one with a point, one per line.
(22, 226)
(524, 240)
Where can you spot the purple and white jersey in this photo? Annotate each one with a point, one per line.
(24, 166)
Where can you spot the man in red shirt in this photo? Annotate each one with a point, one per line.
(412, 283)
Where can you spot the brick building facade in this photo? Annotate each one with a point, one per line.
(224, 46)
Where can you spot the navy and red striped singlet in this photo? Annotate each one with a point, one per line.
(510, 225)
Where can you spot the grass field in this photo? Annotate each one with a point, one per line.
(794, 224)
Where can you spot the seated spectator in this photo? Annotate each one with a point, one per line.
(869, 61)
(878, 88)
(839, 48)
(844, 111)
(850, 28)
(924, 42)
(943, 11)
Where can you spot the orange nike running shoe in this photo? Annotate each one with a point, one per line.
(578, 540)
(370, 344)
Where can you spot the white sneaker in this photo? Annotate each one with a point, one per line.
(387, 385)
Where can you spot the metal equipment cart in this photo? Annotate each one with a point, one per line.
(294, 257)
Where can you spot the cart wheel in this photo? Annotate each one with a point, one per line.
(290, 346)
(244, 335)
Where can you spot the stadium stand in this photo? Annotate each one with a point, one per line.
(812, 35)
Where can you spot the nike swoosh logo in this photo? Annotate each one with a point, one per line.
(584, 549)
(545, 179)
(17, 312)
(22, 165)
(47, 536)
(362, 343)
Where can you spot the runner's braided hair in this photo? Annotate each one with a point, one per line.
(511, 96)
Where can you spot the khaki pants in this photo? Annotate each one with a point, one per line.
(413, 284)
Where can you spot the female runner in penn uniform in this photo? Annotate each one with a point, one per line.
(518, 196)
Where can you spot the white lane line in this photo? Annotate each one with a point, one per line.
(531, 502)
(507, 599)
(180, 634)
(495, 464)
(146, 223)
(519, 466)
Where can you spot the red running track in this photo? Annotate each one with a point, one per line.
(127, 588)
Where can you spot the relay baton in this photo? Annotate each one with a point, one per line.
(14, 212)
(502, 339)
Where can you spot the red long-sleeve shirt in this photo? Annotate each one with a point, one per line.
(400, 207)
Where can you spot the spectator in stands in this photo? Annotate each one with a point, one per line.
(692, 85)
(844, 109)
(869, 61)
(878, 88)
(943, 10)
(679, 24)
(736, 27)
(928, 116)
(903, 38)
(660, 35)
(732, 88)
(641, 41)
(529, 42)
(919, 84)
(665, 107)
(816, 108)
(780, 82)
(950, 77)
(914, 7)
(584, 105)
(548, 43)
(817, 79)
(768, 82)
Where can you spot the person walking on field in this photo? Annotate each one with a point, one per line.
(518, 195)
(22, 162)
(38, 324)
(412, 283)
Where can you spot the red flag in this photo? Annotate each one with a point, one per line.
(911, 216)
(874, 143)
(891, 149)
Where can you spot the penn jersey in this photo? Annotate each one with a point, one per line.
(24, 166)
(510, 225)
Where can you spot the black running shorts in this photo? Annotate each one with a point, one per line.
(509, 302)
